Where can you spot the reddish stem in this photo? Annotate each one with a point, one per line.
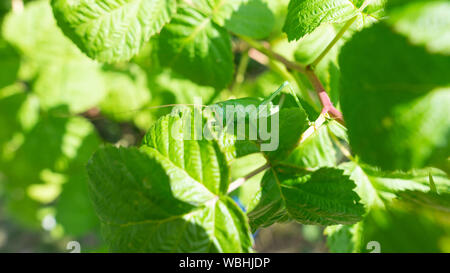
(327, 105)
(264, 49)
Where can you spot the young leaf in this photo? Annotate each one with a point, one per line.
(306, 15)
(324, 197)
(396, 117)
(169, 212)
(197, 48)
(112, 30)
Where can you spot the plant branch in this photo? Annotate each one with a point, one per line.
(327, 105)
(282, 71)
(273, 55)
(333, 42)
(238, 182)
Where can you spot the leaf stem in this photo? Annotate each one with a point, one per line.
(241, 69)
(327, 105)
(239, 182)
(334, 41)
(273, 55)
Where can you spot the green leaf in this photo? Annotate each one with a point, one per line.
(112, 30)
(324, 197)
(195, 47)
(127, 92)
(219, 10)
(201, 161)
(423, 22)
(396, 230)
(36, 36)
(364, 187)
(74, 85)
(304, 16)
(170, 211)
(431, 200)
(394, 201)
(316, 151)
(396, 117)
(247, 20)
(376, 187)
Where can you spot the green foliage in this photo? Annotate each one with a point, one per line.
(305, 16)
(423, 22)
(316, 151)
(82, 82)
(293, 123)
(405, 110)
(126, 92)
(61, 74)
(195, 47)
(324, 197)
(112, 30)
(169, 213)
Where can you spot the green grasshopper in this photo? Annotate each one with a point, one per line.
(241, 106)
(251, 112)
